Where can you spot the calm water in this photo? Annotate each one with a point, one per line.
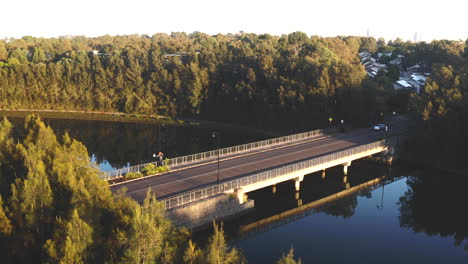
(118, 144)
(415, 217)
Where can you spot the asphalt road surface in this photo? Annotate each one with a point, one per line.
(183, 180)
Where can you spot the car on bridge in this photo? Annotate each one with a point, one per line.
(380, 127)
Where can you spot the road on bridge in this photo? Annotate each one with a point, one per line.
(183, 180)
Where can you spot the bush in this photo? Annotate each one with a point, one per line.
(150, 169)
(133, 175)
(161, 169)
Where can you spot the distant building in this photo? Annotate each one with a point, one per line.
(419, 78)
(398, 60)
(413, 83)
(364, 54)
(371, 64)
(401, 84)
(415, 68)
(386, 54)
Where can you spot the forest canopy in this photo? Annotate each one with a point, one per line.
(261, 80)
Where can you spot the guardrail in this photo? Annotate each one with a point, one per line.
(202, 193)
(184, 160)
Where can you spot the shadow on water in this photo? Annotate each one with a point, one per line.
(411, 216)
(121, 144)
(436, 206)
(273, 202)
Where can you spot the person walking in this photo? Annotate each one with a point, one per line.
(161, 158)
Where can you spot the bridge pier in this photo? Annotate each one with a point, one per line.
(241, 196)
(345, 167)
(297, 182)
(323, 174)
(273, 189)
(298, 199)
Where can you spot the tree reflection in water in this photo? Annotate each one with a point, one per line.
(436, 205)
(121, 143)
(343, 207)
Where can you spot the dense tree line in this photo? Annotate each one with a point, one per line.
(443, 107)
(263, 80)
(55, 209)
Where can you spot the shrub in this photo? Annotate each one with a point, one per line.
(150, 169)
(232, 196)
(133, 175)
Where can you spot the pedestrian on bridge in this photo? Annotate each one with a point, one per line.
(161, 158)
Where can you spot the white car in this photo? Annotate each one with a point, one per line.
(380, 127)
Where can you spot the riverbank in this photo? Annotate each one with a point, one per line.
(131, 118)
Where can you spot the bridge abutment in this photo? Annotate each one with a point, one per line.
(241, 196)
(200, 214)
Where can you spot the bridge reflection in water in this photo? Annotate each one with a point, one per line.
(305, 206)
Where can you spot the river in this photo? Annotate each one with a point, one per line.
(114, 145)
(410, 216)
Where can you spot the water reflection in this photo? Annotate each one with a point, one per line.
(435, 204)
(119, 144)
(407, 219)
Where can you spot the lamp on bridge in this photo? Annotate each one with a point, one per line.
(216, 134)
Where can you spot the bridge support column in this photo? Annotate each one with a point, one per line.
(297, 182)
(298, 199)
(273, 189)
(345, 167)
(241, 196)
(323, 174)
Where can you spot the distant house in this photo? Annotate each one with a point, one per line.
(95, 52)
(371, 74)
(419, 78)
(396, 61)
(364, 54)
(414, 83)
(371, 64)
(387, 54)
(368, 64)
(401, 84)
(415, 68)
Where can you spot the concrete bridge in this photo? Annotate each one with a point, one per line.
(196, 185)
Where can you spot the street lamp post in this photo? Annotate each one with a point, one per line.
(217, 135)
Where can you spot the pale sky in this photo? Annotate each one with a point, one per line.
(446, 19)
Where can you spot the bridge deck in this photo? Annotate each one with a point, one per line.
(191, 178)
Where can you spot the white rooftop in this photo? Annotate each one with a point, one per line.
(404, 83)
(418, 77)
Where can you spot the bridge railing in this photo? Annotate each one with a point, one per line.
(202, 193)
(198, 157)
